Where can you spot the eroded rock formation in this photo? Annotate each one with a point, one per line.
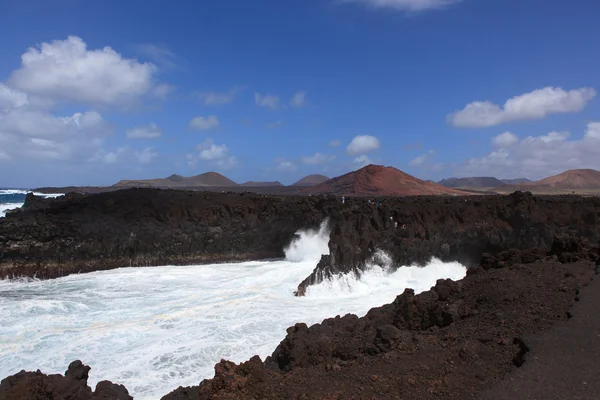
(412, 230)
(72, 386)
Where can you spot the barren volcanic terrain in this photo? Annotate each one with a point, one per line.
(578, 181)
(376, 180)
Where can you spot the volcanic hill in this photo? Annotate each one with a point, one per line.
(261, 184)
(580, 181)
(471, 183)
(208, 179)
(515, 181)
(377, 180)
(311, 180)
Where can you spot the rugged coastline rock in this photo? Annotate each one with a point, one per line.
(50, 238)
(72, 386)
(452, 341)
(144, 227)
(464, 229)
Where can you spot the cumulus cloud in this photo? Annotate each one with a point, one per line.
(204, 123)
(404, 5)
(362, 161)
(267, 100)
(422, 159)
(362, 144)
(538, 156)
(298, 100)
(334, 143)
(219, 98)
(213, 154)
(149, 131)
(317, 158)
(286, 166)
(66, 70)
(505, 139)
(30, 133)
(533, 105)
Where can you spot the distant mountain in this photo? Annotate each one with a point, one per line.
(377, 180)
(311, 180)
(208, 179)
(471, 183)
(261, 184)
(515, 181)
(575, 180)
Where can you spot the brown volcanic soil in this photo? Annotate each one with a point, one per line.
(376, 180)
(578, 180)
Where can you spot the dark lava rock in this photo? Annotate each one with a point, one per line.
(72, 386)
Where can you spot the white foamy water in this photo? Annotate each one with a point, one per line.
(154, 329)
(19, 194)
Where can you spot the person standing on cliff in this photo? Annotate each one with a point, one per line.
(343, 199)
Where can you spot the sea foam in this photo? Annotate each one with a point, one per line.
(156, 328)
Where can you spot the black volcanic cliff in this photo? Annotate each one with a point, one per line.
(412, 230)
(529, 257)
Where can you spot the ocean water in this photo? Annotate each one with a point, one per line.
(14, 198)
(156, 328)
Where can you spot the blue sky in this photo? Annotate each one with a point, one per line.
(92, 92)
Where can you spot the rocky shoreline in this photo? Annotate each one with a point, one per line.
(528, 258)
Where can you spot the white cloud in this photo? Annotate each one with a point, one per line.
(113, 156)
(146, 155)
(286, 166)
(162, 90)
(160, 54)
(30, 133)
(334, 143)
(362, 144)
(317, 158)
(362, 160)
(422, 159)
(213, 154)
(66, 70)
(267, 100)
(298, 100)
(505, 139)
(219, 98)
(404, 5)
(149, 131)
(533, 105)
(204, 123)
(539, 156)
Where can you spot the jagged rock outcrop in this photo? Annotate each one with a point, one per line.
(141, 227)
(72, 386)
(412, 230)
(449, 342)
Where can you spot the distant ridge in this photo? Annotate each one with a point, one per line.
(575, 180)
(471, 183)
(261, 184)
(311, 180)
(208, 179)
(515, 181)
(377, 180)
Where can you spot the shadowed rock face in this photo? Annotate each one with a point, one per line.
(140, 227)
(529, 256)
(72, 386)
(452, 229)
(452, 341)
